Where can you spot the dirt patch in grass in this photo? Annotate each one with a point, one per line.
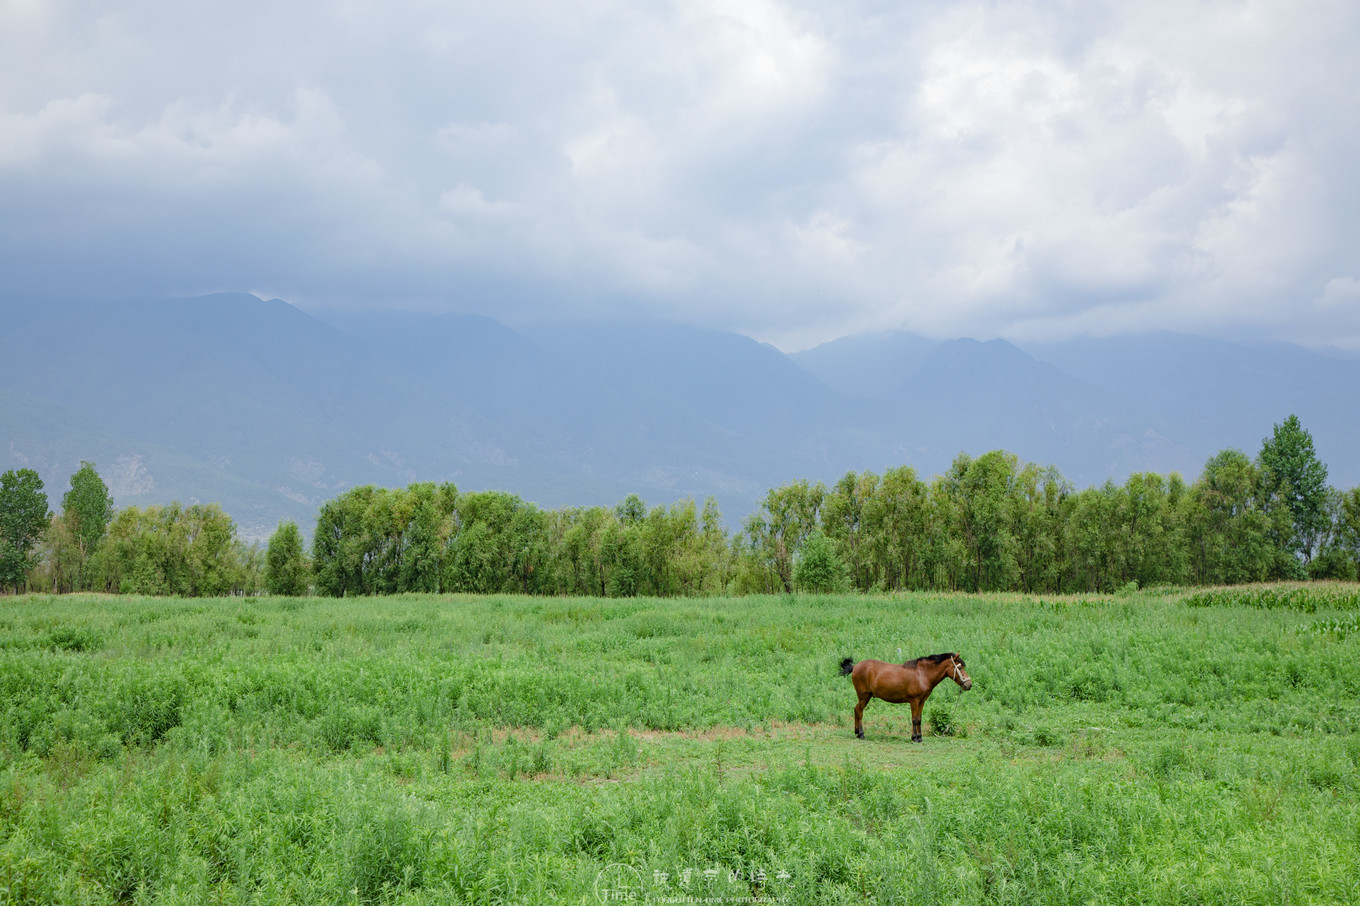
(777, 730)
(575, 735)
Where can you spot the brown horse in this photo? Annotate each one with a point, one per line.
(912, 682)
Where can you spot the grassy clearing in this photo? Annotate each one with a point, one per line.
(1132, 748)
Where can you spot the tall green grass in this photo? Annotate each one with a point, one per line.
(511, 750)
(1307, 598)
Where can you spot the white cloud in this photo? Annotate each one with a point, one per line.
(467, 202)
(1335, 316)
(795, 171)
(29, 139)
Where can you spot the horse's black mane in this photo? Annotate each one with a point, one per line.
(933, 658)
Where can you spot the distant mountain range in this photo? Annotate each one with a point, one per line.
(271, 411)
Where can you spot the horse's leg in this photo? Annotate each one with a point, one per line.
(859, 712)
(916, 719)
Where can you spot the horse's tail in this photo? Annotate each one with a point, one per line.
(847, 666)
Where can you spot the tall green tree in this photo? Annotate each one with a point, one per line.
(341, 545)
(845, 520)
(983, 497)
(250, 569)
(285, 568)
(1091, 545)
(423, 535)
(382, 541)
(584, 570)
(944, 556)
(672, 550)
(621, 553)
(1148, 543)
(88, 506)
(1042, 503)
(1338, 553)
(173, 550)
(718, 556)
(818, 568)
(631, 510)
(894, 522)
(87, 510)
(1229, 532)
(499, 545)
(1348, 532)
(787, 515)
(1292, 477)
(61, 563)
(23, 518)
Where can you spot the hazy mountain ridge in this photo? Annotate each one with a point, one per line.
(1212, 394)
(878, 365)
(1100, 408)
(969, 394)
(271, 411)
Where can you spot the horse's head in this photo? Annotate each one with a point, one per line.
(959, 674)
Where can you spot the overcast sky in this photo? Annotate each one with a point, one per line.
(793, 171)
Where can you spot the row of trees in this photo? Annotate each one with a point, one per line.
(989, 523)
(429, 538)
(88, 546)
(993, 523)
(63, 545)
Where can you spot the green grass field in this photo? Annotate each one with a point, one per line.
(1158, 747)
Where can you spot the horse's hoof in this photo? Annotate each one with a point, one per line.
(859, 734)
(916, 739)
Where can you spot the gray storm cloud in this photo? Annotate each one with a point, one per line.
(795, 172)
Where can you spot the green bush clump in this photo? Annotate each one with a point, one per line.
(942, 720)
(818, 568)
(75, 638)
(1339, 627)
